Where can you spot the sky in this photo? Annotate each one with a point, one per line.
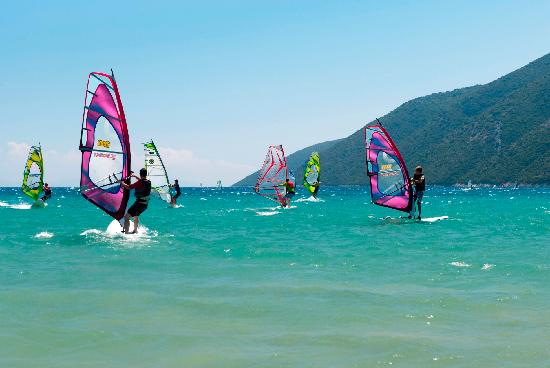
(214, 83)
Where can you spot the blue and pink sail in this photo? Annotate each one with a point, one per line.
(389, 179)
(105, 146)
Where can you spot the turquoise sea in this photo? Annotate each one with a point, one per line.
(227, 280)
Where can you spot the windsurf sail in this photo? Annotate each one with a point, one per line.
(33, 175)
(389, 178)
(273, 175)
(105, 146)
(156, 171)
(312, 174)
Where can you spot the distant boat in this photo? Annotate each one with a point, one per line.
(219, 184)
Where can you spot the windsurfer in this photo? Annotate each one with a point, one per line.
(176, 187)
(47, 193)
(316, 186)
(290, 192)
(420, 186)
(142, 189)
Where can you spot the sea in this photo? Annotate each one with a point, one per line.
(227, 279)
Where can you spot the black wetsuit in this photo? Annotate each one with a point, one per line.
(178, 191)
(143, 193)
(47, 194)
(290, 190)
(419, 191)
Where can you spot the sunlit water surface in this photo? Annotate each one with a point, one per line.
(228, 280)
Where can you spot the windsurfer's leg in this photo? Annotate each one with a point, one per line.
(126, 226)
(136, 223)
(419, 197)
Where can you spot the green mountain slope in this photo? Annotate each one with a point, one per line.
(493, 133)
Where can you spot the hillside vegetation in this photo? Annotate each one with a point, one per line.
(493, 133)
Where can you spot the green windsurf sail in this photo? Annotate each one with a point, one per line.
(156, 171)
(312, 174)
(33, 176)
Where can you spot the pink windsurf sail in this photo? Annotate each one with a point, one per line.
(105, 146)
(389, 178)
(273, 175)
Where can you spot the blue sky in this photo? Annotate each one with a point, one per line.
(215, 82)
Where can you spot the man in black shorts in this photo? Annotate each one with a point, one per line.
(142, 189)
(290, 192)
(176, 187)
(420, 186)
(47, 193)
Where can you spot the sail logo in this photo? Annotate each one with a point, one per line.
(386, 167)
(102, 143)
(111, 156)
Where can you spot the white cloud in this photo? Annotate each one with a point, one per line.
(18, 150)
(191, 170)
(62, 168)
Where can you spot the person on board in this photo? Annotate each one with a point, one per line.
(316, 186)
(47, 193)
(290, 192)
(419, 183)
(176, 187)
(142, 188)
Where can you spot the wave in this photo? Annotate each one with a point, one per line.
(460, 264)
(44, 235)
(19, 206)
(309, 199)
(114, 231)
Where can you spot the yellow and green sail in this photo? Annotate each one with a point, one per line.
(33, 176)
(312, 174)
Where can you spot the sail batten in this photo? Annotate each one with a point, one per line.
(387, 172)
(105, 146)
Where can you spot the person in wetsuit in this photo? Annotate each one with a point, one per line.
(47, 193)
(316, 190)
(419, 183)
(142, 191)
(290, 192)
(176, 187)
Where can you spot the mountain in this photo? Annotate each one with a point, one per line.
(294, 161)
(493, 133)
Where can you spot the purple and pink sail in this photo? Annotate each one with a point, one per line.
(105, 146)
(389, 179)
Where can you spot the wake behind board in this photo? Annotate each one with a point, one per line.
(434, 219)
(403, 219)
(115, 228)
(39, 204)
